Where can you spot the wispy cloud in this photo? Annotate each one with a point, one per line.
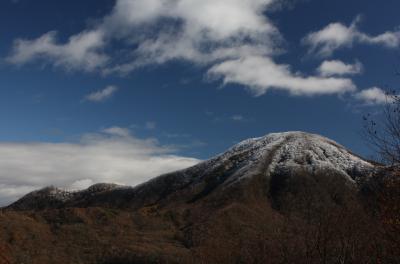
(117, 131)
(238, 118)
(339, 68)
(261, 74)
(112, 155)
(335, 36)
(150, 125)
(81, 52)
(101, 95)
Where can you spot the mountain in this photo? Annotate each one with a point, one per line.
(275, 156)
(249, 204)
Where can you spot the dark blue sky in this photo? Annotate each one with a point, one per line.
(41, 102)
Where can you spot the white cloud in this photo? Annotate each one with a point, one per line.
(81, 184)
(373, 96)
(214, 19)
(339, 68)
(337, 35)
(112, 156)
(81, 52)
(215, 34)
(195, 30)
(199, 31)
(262, 74)
(102, 95)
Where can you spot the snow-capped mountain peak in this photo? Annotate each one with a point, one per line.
(289, 151)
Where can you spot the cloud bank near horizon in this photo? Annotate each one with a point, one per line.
(113, 155)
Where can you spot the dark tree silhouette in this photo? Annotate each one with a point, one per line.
(382, 131)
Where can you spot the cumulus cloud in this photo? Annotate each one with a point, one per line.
(102, 95)
(339, 68)
(337, 35)
(261, 74)
(373, 96)
(112, 155)
(214, 34)
(197, 31)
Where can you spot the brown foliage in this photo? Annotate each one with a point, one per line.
(388, 196)
(320, 219)
(4, 259)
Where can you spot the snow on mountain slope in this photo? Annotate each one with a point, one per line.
(271, 155)
(57, 197)
(287, 151)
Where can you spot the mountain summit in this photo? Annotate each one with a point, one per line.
(276, 158)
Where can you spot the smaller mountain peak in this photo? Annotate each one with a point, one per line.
(51, 192)
(47, 197)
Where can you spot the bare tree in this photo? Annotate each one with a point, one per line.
(382, 131)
